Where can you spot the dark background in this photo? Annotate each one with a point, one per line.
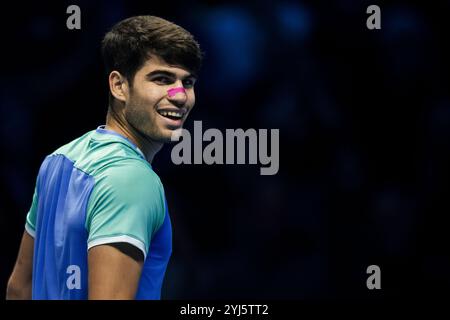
(364, 120)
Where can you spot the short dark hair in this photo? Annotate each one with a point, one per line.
(131, 41)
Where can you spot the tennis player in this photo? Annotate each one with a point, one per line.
(99, 226)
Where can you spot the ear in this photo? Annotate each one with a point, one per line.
(118, 86)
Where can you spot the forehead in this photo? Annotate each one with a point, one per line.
(156, 63)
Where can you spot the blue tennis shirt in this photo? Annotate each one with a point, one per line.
(95, 190)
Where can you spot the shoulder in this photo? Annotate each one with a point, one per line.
(127, 198)
(130, 173)
(73, 146)
(129, 182)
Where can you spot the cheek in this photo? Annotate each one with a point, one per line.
(191, 99)
(145, 99)
(139, 107)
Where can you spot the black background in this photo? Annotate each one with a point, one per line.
(364, 120)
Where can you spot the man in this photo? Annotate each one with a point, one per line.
(98, 227)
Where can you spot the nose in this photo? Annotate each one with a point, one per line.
(177, 95)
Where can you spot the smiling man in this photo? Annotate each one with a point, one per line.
(99, 226)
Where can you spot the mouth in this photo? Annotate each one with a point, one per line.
(173, 115)
(173, 118)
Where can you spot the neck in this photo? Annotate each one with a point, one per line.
(115, 121)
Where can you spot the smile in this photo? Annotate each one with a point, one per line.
(173, 115)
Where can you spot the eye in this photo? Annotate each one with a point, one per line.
(162, 80)
(188, 83)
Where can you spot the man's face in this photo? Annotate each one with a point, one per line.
(150, 109)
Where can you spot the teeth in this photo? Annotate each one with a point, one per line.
(171, 113)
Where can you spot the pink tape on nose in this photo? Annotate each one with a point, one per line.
(174, 91)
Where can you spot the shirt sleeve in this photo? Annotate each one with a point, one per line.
(126, 205)
(30, 224)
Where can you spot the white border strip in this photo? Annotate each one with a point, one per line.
(30, 231)
(124, 238)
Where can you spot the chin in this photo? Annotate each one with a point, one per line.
(170, 132)
(165, 135)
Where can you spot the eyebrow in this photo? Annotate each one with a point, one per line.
(168, 74)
